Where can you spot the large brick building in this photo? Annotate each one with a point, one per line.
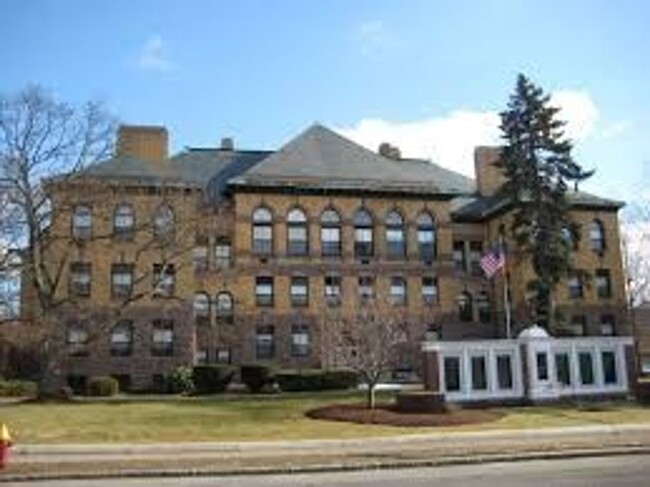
(229, 255)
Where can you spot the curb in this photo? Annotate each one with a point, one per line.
(361, 466)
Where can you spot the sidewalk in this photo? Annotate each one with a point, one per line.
(231, 458)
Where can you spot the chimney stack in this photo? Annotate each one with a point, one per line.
(227, 144)
(149, 143)
(489, 177)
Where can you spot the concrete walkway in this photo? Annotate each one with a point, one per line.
(77, 461)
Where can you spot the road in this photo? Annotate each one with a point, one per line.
(615, 471)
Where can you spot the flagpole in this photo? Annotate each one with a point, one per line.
(506, 290)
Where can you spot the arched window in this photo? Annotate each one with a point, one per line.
(163, 222)
(395, 242)
(262, 231)
(483, 307)
(297, 234)
(465, 306)
(201, 307)
(122, 339)
(330, 233)
(225, 308)
(123, 221)
(363, 242)
(82, 222)
(426, 237)
(77, 340)
(597, 236)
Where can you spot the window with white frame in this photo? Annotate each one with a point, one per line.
(586, 368)
(330, 233)
(162, 338)
(82, 222)
(563, 369)
(426, 237)
(300, 342)
(122, 339)
(123, 222)
(299, 290)
(395, 236)
(452, 373)
(222, 254)
(262, 231)
(297, 233)
(610, 372)
(478, 367)
(264, 290)
(363, 234)
(505, 379)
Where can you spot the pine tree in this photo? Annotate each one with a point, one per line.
(539, 169)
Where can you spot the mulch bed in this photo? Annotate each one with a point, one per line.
(386, 414)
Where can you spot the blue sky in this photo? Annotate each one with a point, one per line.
(428, 76)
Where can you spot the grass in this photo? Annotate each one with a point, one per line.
(250, 418)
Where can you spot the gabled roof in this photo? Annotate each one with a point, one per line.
(320, 158)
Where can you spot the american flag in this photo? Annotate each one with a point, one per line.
(492, 261)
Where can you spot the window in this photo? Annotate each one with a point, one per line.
(610, 375)
(262, 231)
(578, 325)
(608, 325)
(264, 342)
(363, 243)
(123, 222)
(163, 222)
(162, 338)
(483, 308)
(586, 363)
(223, 355)
(429, 290)
(460, 264)
(164, 278)
(479, 373)
(121, 280)
(201, 308)
(222, 254)
(330, 234)
(475, 252)
(300, 341)
(201, 356)
(80, 279)
(366, 289)
(297, 234)
(299, 291)
(597, 236)
(200, 254)
(225, 308)
(541, 359)
(395, 245)
(452, 374)
(504, 371)
(575, 287)
(333, 290)
(82, 221)
(77, 340)
(465, 306)
(426, 237)
(569, 237)
(603, 284)
(563, 369)
(398, 290)
(122, 339)
(264, 290)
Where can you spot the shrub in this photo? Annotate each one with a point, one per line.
(18, 388)
(210, 379)
(316, 380)
(102, 387)
(180, 381)
(257, 376)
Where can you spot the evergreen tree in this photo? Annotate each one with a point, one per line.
(539, 169)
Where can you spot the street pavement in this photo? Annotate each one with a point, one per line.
(619, 471)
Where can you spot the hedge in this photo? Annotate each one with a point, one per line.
(102, 387)
(211, 379)
(257, 376)
(315, 380)
(18, 388)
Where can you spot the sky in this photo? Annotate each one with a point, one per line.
(428, 76)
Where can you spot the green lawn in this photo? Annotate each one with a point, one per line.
(223, 418)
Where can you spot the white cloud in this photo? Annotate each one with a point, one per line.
(579, 110)
(374, 38)
(615, 129)
(450, 140)
(152, 56)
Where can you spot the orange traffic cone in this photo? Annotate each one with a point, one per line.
(5, 444)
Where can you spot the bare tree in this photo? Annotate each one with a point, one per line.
(636, 254)
(372, 342)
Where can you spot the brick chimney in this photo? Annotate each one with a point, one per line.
(489, 178)
(143, 142)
